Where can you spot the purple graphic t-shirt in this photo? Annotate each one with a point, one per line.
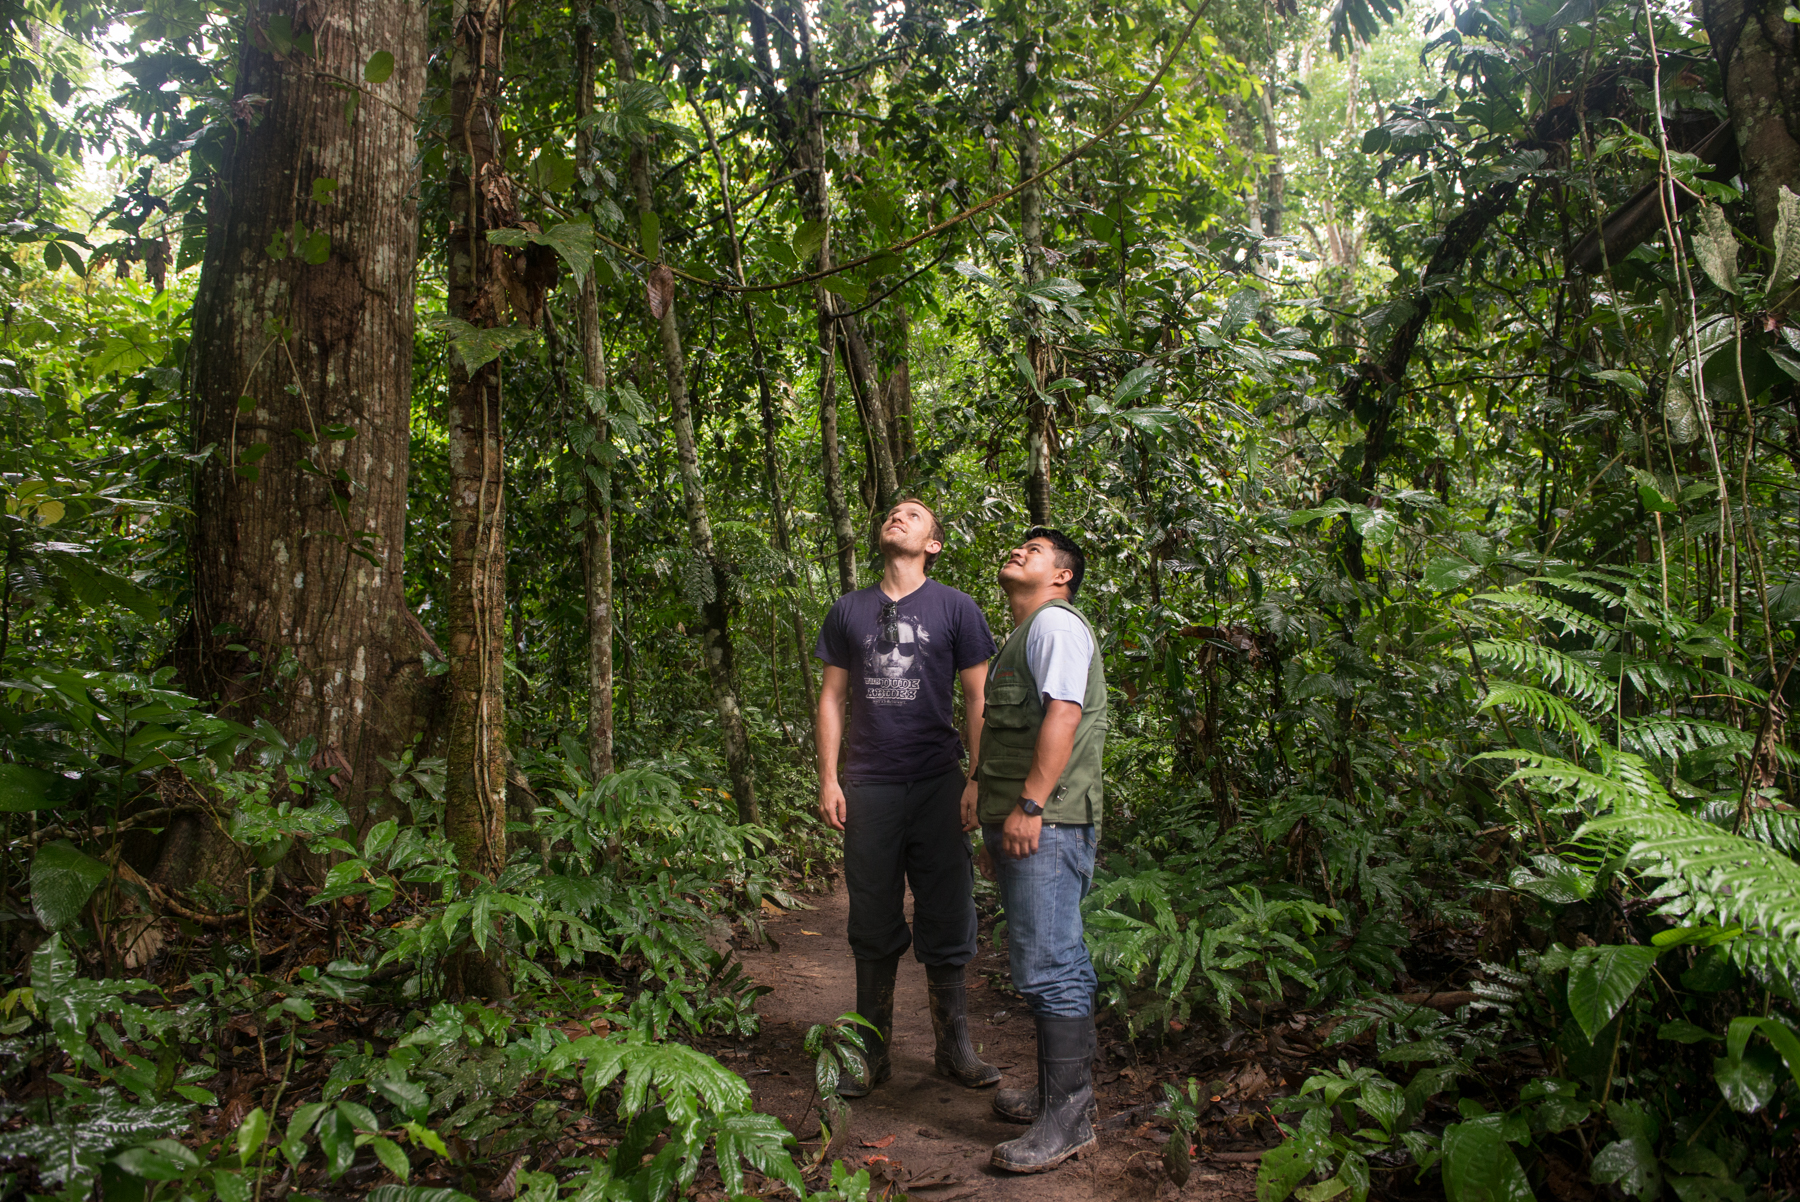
(903, 663)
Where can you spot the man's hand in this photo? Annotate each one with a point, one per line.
(1019, 837)
(984, 863)
(970, 795)
(832, 806)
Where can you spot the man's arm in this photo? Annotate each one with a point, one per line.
(974, 688)
(830, 725)
(1055, 743)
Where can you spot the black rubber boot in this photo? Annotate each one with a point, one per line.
(875, 1002)
(1022, 1105)
(956, 1056)
(1066, 1087)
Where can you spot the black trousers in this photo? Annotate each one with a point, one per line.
(896, 835)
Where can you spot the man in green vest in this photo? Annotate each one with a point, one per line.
(1040, 813)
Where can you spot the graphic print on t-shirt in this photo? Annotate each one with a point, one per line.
(891, 669)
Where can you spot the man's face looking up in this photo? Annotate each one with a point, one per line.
(1033, 566)
(908, 530)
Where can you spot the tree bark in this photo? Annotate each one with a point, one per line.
(805, 134)
(1037, 353)
(1759, 59)
(299, 616)
(721, 667)
(843, 526)
(765, 395)
(810, 190)
(480, 200)
(597, 466)
(1275, 182)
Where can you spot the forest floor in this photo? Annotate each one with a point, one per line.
(930, 1136)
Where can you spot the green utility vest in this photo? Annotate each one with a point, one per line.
(1015, 711)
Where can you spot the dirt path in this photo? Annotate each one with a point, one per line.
(939, 1130)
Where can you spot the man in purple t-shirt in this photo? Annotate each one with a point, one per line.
(895, 652)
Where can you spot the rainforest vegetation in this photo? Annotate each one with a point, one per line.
(433, 434)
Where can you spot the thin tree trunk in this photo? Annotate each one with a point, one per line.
(290, 567)
(597, 536)
(1759, 59)
(1037, 354)
(843, 526)
(1274, 200)
(770, 427)
(809, 188)
(475, 777)
(715, 613)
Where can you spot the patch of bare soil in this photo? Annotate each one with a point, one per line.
(930, 1136)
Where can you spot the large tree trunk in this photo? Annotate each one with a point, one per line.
(475, 780)
(715, 614)
(302, 360)
(597, 536)
(1759, 58)
(1037, 354)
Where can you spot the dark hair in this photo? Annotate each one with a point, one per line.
(1068, 555)
(937, 528)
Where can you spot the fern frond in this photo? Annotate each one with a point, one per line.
(1669, 738)
(1780, 829)
(1547, 610)
(1557, 668)
(1626, 780)
(1713, 873)
(1548, 710)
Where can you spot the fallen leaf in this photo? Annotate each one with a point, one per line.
(884, 1142)
(937, 1180)
(659, 290)
(809, 932)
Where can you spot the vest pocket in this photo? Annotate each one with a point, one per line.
(1007, 707)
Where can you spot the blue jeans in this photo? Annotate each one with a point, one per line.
(1042, 897)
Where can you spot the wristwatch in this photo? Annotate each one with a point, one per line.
(1033, 809)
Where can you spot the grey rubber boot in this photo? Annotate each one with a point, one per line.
(1066, 1087)
(875, 1002)
(956, 1056)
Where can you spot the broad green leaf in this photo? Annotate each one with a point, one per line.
(1716, 247)
(1747, 1080)
(1447, 572)
(843, 286)
(1603, 980)
(650, 234)
(1479, 1166)
(477, 346)
(1683, 1031)
(337, 1139)
(807, 240)
(391, 1157)
(24, 789)
(573, 242)
(250, 1135)
(416, 1193)
(412, 1099)
(159, 1160)
(379, 67)
(1376, 526)
(1281, 1170)
(63, 877)
(1785, 271)
(1654, 502)
(1137, 382)
(230, 1186)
